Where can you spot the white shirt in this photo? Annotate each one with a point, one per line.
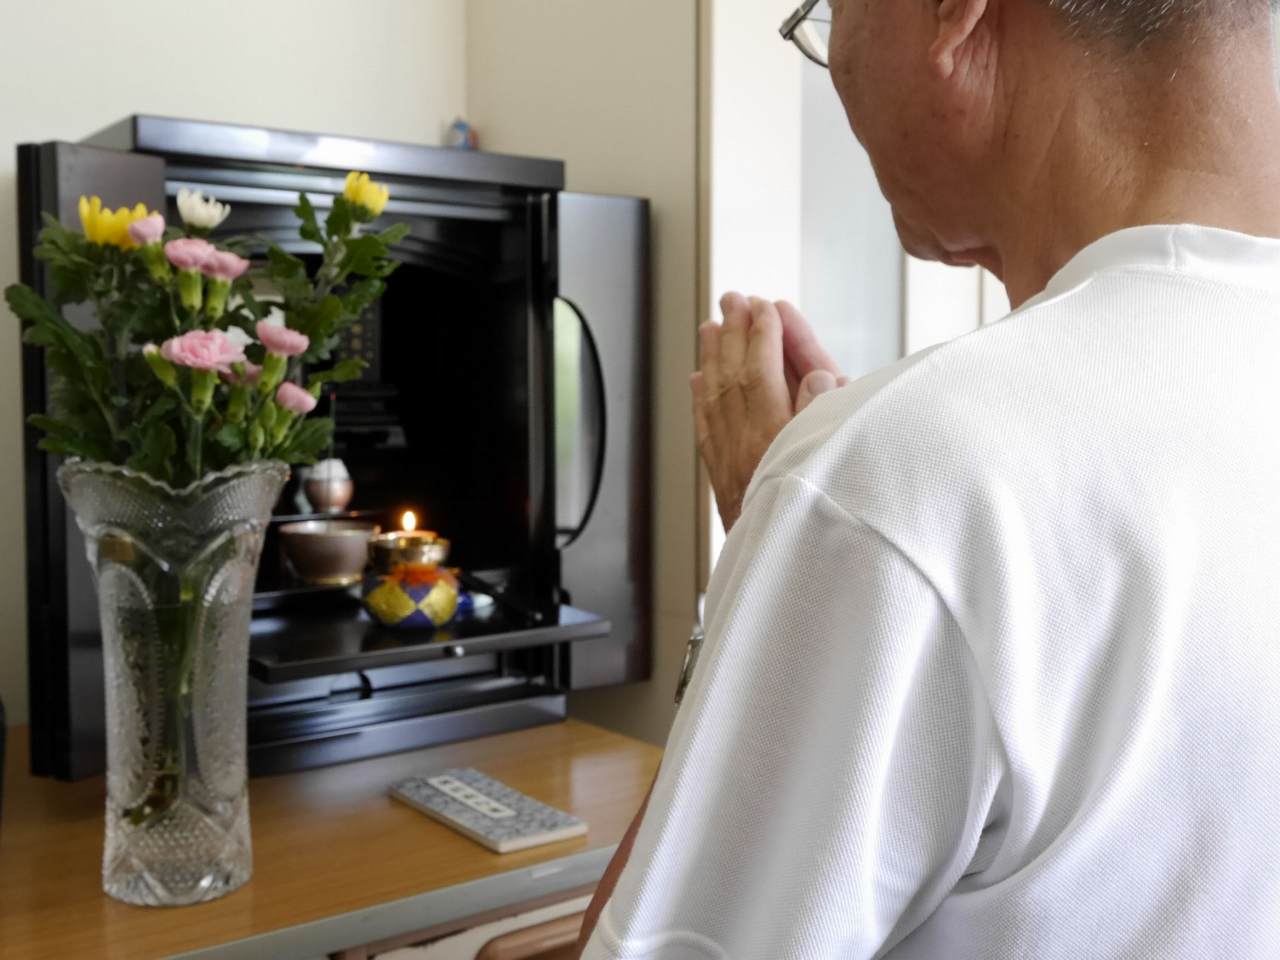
(993, 654)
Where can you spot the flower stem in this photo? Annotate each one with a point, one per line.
(195, 444)
(199, 432)
(179, 625)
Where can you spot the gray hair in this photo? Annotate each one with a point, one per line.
(1133, 23)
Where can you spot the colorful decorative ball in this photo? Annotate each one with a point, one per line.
(412, 596)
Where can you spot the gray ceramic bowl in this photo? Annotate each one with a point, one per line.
(329, 553)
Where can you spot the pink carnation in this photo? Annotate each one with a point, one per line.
(294, 399)
(224, 265)
(147, 230)
(282, 340)
(203, 350)
(188, 253)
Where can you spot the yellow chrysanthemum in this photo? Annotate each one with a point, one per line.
(363, 192)
(109, 227)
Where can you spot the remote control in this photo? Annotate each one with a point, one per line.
(488, 812)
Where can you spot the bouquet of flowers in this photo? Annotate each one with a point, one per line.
(188, 370)
(199, 373)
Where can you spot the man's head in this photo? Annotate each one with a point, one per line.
(964, 104)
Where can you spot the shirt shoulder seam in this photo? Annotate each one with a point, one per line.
(920, 572)
(881, 535)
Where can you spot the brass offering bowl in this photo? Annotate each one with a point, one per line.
(328, 553)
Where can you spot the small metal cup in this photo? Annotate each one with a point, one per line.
(328, 494)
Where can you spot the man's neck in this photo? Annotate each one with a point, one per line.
(1205, 150)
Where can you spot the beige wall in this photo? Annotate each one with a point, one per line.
(612, 88)
(392, 69)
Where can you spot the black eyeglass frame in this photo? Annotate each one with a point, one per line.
(793, 23)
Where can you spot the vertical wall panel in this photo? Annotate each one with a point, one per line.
(851, 262)
(995, 301)
(939, 303)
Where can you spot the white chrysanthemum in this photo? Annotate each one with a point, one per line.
(200, 211)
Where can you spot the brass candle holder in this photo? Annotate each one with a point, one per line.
(390, 550)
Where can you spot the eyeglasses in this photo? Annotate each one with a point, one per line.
(809, 28)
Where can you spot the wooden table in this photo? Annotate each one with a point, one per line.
(337, 863)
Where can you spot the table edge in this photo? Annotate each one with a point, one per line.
(318, 938)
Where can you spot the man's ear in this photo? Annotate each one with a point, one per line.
(957, 21)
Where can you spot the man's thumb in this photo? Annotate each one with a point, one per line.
(814, 383)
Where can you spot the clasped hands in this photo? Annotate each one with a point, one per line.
(758, 369)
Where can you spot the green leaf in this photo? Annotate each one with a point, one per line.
(361, 295)
(41, 336)
(69, 442)
(318, 321)
(32, 308)
(158, 410)
(322, 350)
(338, 223)
(310, 439)
(28, 305)
(57, 244)
(282, 264)
(146, 312)
(71, 447)
(52, 426)
(231, 437)
(288, 274)
(394, 234)
(366, 256)
(308, 228)
(154, 451)
(70, 283)
(344, 371)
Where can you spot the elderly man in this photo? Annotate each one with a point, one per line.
(992, 665)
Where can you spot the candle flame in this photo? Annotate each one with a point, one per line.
(409, 521)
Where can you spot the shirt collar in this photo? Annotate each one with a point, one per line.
(1189, 249)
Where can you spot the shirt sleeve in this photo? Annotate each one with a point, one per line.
(829, 774)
